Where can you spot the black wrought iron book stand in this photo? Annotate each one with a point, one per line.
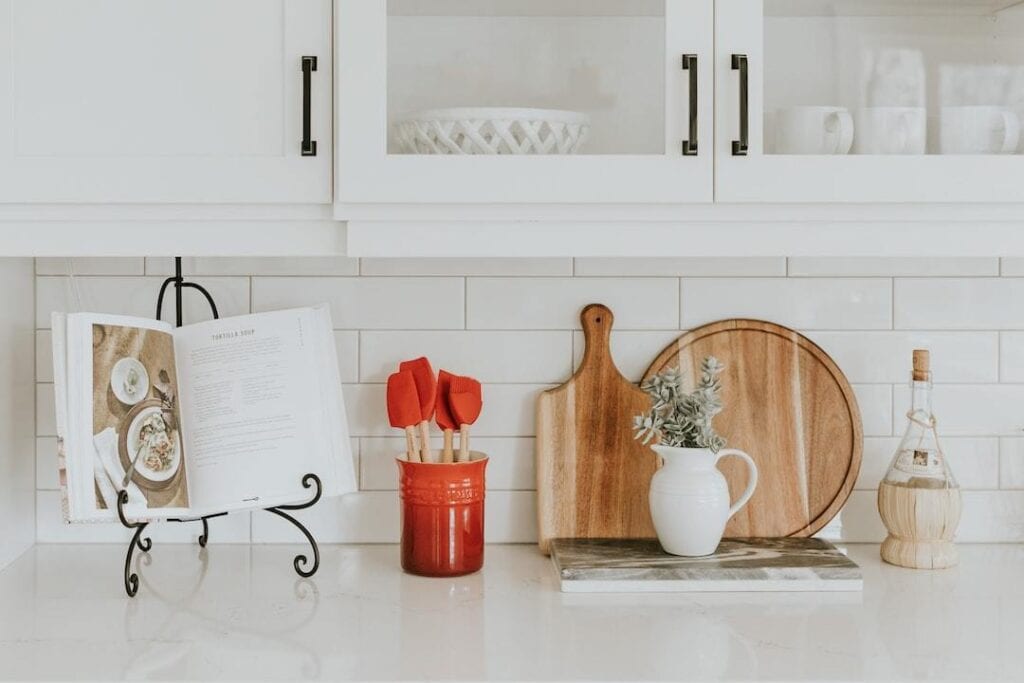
(301, 563)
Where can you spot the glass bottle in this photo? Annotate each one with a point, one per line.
(919, 499)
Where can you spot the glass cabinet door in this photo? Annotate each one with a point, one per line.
(870, 100)
(524, 101)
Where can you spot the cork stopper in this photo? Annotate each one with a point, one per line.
(922, 365)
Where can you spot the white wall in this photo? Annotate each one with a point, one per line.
(17, 409)
(513, 324)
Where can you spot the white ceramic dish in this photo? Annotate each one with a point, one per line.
(120, 385)
(492, 130)
(145, 471)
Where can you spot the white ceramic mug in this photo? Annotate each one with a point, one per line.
(979, 130)
(813, 130)
(890, 130)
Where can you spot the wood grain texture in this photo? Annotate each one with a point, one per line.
(592, 476)
(791, 408)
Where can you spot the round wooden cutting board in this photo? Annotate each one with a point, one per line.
(789, 406)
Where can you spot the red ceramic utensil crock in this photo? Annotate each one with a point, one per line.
(442, 516)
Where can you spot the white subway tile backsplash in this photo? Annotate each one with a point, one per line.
(681, 267)
(136, 296)
(305, 266)
(1012, 267)
(490, 356)
(369, 303)
(890, 267)
(556, 303)
(1011, 356)
(509, 410)
(46, 464)
(90, 266)
(366, 409)
(468, 267)
(347, 345)
(992, 517)
(813, 304)
(875, 403)
(858, 521)
(1011, 463)
(633, 352)
(971, 409)
(886, 356)
(959, 304)
(510, 465)
(46, 418)
(514, 323)
(44, 356)
(974, 461)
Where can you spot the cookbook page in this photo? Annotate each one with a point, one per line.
(256, 419)
(124, 418)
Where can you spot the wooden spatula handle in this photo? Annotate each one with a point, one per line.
(410, 444)
(463, 443)
(449, 451)
(425, 441)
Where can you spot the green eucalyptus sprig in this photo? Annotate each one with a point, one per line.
(679, 418)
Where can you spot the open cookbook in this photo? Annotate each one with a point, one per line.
(213, 417)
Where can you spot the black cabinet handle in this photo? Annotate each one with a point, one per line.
(741, 147)
(690, 66)
(308, 144)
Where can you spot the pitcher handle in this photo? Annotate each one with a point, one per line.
(751, 482)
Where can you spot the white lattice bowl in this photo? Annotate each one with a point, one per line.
(486, 130)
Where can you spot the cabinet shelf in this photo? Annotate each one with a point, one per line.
(888, 8)
(526, 8)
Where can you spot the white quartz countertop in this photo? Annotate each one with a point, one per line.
(239, 612)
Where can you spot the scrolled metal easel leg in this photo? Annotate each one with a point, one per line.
(301, 560)
(131, 579)
(205, 535)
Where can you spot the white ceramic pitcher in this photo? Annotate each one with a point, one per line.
(690, 499)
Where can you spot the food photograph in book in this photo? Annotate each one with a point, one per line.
(136, 421)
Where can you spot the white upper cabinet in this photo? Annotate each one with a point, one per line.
(165, 101)
(869, 101)
(523, 101)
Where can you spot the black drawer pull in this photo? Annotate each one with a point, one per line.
(742, 146)
(690, 66)
(308, 143)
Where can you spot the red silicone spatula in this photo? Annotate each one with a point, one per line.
(404, 408)
(426, 390)
(465, 400)
(443, 414)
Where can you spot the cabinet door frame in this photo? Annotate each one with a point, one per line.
(27, 177)
(795, 179)
(366, 174)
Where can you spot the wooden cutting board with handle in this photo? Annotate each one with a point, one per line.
(592, 476)
(789, 406)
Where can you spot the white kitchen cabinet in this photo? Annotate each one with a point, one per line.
(640, 70)
(165, 101)
(869, 101)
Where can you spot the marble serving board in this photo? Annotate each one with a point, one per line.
(757, 564)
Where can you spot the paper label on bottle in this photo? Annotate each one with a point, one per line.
(919, 462)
